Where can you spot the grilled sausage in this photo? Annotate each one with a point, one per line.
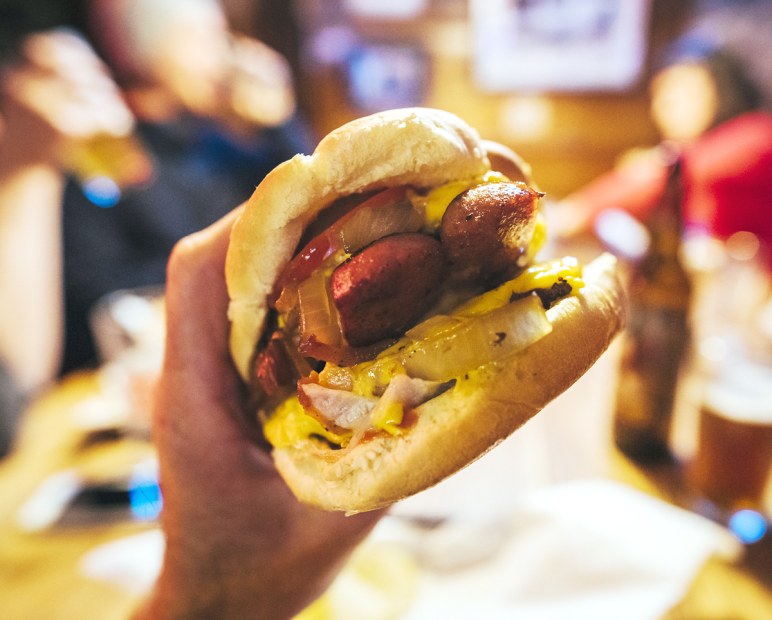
(386, 287)
(486, 229)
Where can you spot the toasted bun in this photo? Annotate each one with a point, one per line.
(415, 146)
(462, 424)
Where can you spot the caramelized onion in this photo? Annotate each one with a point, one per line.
(341, 354)
(450, 353)
(369, 223)
(318, 317)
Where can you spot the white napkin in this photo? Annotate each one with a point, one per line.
(587, 549)
(132, 563)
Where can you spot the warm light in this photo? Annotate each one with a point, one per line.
(743, 246)
(684, 101)
(528, 118)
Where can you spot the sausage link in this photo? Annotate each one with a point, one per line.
(382, 290)
(486, 229)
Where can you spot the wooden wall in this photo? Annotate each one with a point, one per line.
(586, 132)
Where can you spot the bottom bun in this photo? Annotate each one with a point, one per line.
(454, 429)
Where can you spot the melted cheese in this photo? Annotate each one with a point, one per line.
(389, 418)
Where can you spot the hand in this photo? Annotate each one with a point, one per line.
(260, 88)
(239, 545)
(58, 91)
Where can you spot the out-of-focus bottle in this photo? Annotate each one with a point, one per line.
(657, 335)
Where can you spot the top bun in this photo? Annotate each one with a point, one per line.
(413, 146)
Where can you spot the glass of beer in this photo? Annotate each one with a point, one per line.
(121, 158)
(733, 456)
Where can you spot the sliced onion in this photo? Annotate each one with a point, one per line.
(431, 327)
(309, 259)
(477, 341)
(377, 218)
(344, 409)
(318, 318)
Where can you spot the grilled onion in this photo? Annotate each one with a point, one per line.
(476, 341)
(367, 224)
(318, 318)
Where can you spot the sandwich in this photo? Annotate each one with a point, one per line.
(388, 311)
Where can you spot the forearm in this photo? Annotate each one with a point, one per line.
(30, 270)
(268, 588)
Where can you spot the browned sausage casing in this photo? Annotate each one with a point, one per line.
(385, 288)
(487, 228)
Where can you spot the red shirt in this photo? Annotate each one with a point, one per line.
(727, 181)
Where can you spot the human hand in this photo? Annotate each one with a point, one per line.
(57, 92)
(239, 544)
(260, 87)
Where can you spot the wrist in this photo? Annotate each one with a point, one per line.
(242, 596)
(274, 579)
(16, 161)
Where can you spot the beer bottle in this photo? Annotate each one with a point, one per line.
(657, 334)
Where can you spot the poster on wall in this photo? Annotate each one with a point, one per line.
(559, 45)
(383, 76)
(391, 9)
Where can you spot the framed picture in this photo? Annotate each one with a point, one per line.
(390, 9)
(386, 75)
(559, 45)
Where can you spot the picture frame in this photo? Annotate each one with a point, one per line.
(383, 75)
(559, 45)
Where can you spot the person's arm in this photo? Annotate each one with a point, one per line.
(31, 185)
(56, 92)
(633, 186)
(30, 272)
(238, 544)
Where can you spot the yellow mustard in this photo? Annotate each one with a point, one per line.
(289, 424)
(543, 275)
(389, 418)
(435, 203)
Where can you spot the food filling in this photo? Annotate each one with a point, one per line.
(402, 297)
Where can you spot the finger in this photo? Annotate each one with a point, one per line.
(200, 393)
(62, 50)
(197, 299)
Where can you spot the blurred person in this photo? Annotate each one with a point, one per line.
(39, 112)
(704, 106)
(214, 112)
(238, 544)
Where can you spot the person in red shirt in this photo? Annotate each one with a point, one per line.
(707, 109)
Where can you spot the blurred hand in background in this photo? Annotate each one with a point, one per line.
(57, 91)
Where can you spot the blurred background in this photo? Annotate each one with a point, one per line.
(127, 124)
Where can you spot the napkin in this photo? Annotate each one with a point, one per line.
(132, 563)
(585, 549)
